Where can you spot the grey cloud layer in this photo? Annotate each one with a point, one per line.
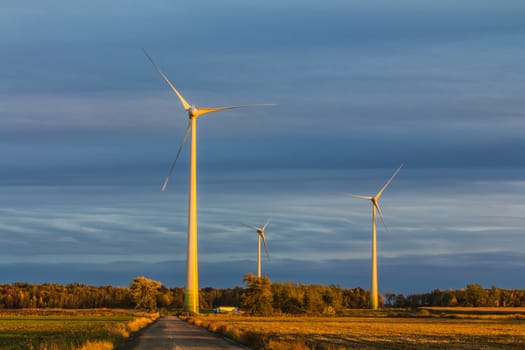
(88, 129)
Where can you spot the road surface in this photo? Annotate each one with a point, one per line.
(171, 333)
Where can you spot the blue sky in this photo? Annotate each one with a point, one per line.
(88, 130)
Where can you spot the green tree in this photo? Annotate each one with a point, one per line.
(356, 298)
(449, 298)
(287, 297)
(494, 297)
(333, 298)
(390, 298)
(400, 301)
(313, 299)
(475, 295)
(144, 293)
(257, 298)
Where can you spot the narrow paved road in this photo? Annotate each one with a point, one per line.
(171, 333)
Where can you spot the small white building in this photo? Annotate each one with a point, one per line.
(226, 310)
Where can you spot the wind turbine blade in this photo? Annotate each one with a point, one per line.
(167, 179)
(184, 103)
(381, 216)
(265, 246)
(251, 226)
(204, 110)
(378, 195)
(267, 222)
(359, 196)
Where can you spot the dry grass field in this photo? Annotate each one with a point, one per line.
(424, 330)
(476, 310)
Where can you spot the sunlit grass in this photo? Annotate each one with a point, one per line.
(69, 330)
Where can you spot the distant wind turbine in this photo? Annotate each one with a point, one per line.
(260, 236)
(191, 293)
(376, 208)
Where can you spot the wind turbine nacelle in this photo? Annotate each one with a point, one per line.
(193, 111)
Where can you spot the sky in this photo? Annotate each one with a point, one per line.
(88, 130)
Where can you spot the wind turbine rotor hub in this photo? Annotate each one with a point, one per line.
(193, 111)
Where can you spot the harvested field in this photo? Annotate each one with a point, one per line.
(364, 332)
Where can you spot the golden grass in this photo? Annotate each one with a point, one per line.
(97, 345)
(140, 323)
(298, 333)
(124, 330)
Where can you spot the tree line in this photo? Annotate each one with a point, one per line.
(70, 296)
(258, 297)
(145, 293)
(474, 295)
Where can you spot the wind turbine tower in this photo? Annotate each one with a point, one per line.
(260, 236)
(376, 209)
(191, 291)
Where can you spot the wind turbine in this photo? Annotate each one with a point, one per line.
(260, 236)
(191, 292)
(376, 208)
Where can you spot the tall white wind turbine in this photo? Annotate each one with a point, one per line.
(191, 292)
(260, 236)
(376, 208)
